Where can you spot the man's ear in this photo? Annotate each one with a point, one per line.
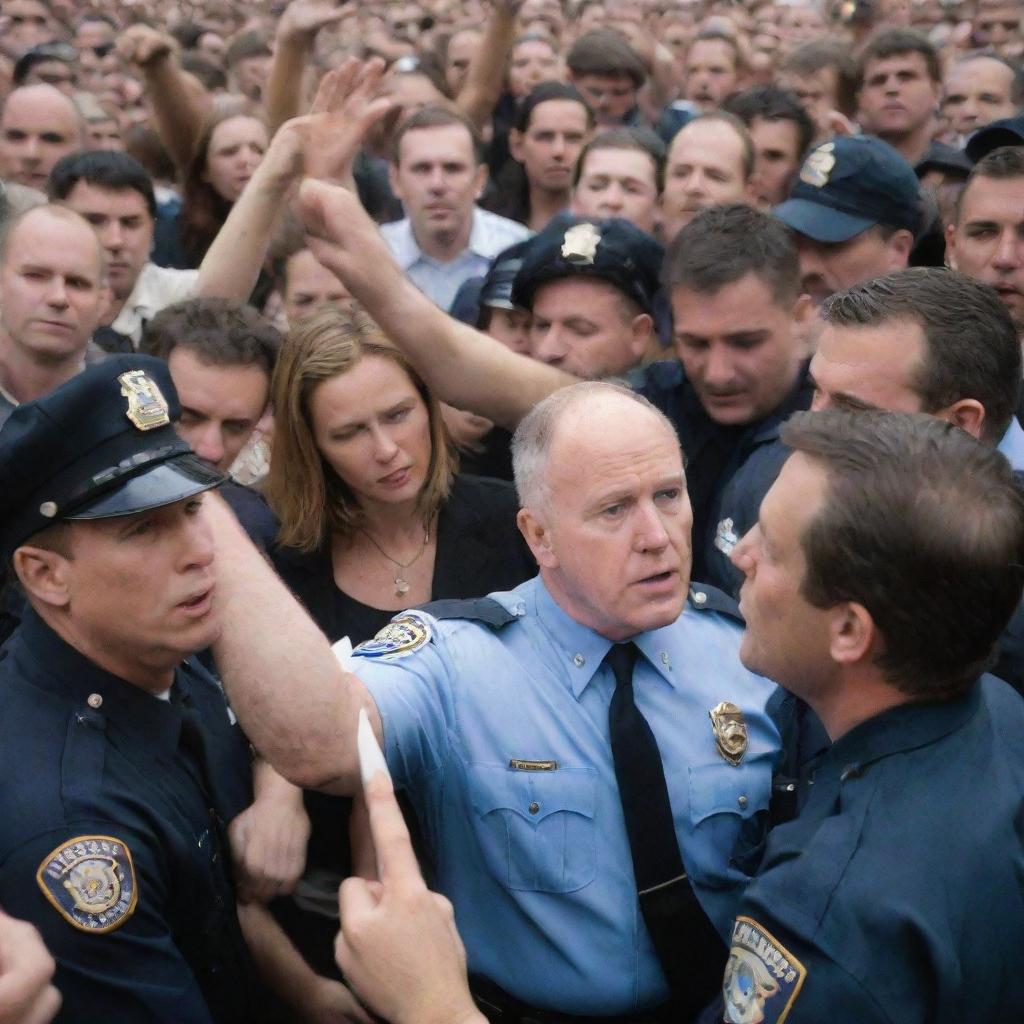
(852, 634)
(44, 575)
(538, 537)
(968, 414)
(393, 181)
(515, 145)
(899, 247)
(641, 331)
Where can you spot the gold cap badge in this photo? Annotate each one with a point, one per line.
(730, 729)
(580, 243)
(818, 166)
(147, 407)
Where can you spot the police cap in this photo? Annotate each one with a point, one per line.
(611, 250)
(99, 446)
(848, 185)
(1007, 131)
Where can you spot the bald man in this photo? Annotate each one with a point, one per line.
(38, 126)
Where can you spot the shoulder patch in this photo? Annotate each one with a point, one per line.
(399, 638)
(90, 880)
(711, 599)
(762, 978)
(480, 609)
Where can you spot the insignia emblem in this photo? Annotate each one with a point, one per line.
(580, 243)
(762, 978)
(147, 407)
(725, 537)
(91, 882)
(517, 764)
(818, 166)
(730, 731)
(397, 639)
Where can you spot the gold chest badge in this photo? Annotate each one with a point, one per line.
(730, 729)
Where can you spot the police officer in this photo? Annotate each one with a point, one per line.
(589, 762)
(121, 763)
(896, 894)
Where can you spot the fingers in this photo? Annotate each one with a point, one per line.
(25, 972)
(396, 861)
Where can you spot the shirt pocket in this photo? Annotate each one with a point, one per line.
(728, 807)
(536, 829)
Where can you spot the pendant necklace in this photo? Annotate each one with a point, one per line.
(401, 583)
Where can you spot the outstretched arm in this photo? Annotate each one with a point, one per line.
(459, 364)
(486, 75)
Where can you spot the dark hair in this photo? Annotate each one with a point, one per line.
(770, 103)
(1003, 164)
(642, 140)
(209, 74)
(220, 332)
(544, 92)
(924, 527)
(895, 42)
(187, 33)
(248, 44)
(436, 117)
(605, 52)
(971, 345)
(811, 57)
(103, 169)
(145, 145)
(722, 244)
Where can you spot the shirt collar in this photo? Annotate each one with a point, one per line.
(66, 672)
(404, 246)
(584, 650)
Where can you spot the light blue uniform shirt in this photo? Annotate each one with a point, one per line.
(1012, 445)
(537, 863)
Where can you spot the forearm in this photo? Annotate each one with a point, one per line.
(293, 701)
(179, 107)
(285, 82)
(486, 74)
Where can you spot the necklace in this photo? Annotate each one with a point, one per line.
(401, 583)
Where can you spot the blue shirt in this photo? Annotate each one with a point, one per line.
(489, 235)
(896, 895)
(1012, 445)
(537, 863)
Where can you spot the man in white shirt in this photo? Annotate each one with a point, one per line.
(445, 238)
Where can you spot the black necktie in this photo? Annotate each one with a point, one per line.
(690, 950)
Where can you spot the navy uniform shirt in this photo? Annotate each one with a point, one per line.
(500, 737)
(728, 468)
(897, 895)
(112, 842)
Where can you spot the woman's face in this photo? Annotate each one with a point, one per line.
(236, 148)
(533, 62)
(372, 427)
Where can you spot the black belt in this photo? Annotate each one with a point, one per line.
(500, 1007)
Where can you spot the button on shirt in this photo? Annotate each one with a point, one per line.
(489, 235)
(87, 756)
(896, 894)
(536, 861)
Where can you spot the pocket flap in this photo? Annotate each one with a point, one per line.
(723, 789)
(532, 795)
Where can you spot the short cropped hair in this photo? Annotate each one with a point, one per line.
(248, 44)
(102, 169)
(770, 103)
(436, 116)
(971, 345)
(531, 442)
(603, 51)
(811, 57)
(219, 332)
(722, 244)
(642, 140)
(1003, 164)
(923, 526)
(895, 42)
(307, 495)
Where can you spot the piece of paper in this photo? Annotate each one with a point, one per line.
(371, 757)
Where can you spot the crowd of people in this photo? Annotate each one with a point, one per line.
(511, 510)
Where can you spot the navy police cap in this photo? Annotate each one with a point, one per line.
(1008, 131)
(611, 250)
(848, 185)
(99, 446)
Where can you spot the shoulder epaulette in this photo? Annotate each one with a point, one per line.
(711, 599)
(478, 609)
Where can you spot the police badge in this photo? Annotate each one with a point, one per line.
(91, 882)
(725, 537)
(397, 639)
(730, 731)
(147, 407)
(580, 243)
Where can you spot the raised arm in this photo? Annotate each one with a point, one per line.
(294, 702)
(178, 102)
(486, 75)
(459, 364)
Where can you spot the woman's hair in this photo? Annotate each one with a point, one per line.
(307, 495)
(203, 209)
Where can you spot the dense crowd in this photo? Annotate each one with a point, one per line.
(511, 511)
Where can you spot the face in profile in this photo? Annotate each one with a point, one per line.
(372, 428)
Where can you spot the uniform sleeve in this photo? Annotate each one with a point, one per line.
(99, 897)
(413, 694)
(772, 976)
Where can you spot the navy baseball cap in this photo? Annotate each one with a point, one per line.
(848, 185)
(1008, 131)
(99, 446)
(612, 250)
